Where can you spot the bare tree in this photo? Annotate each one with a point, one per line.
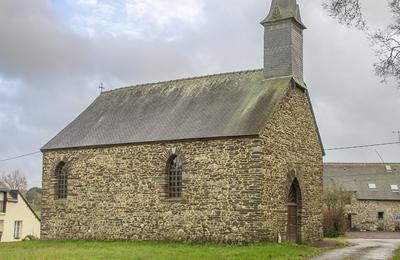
(346, 11)
(14, 181)
(386, 42)
(34, 197)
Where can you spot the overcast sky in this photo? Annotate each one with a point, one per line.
(55, 53)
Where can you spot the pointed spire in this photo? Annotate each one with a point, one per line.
(283, 9)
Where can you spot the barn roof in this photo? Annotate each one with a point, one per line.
(224, 105)
(356, 177)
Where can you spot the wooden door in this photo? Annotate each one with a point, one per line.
(292, 223)
(349, 222)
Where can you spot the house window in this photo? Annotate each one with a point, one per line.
(62, 181)
(372, 186)
(17, 229)
(381, 215)
(174, 177)
(3, 199)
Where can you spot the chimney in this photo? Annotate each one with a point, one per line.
(283, 41)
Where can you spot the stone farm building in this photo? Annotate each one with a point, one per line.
(375, 203)
(233, 158)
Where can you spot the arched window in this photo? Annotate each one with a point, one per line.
(62, 181)
(174, 177)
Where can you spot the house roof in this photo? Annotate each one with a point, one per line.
(357, 177)
(4, 188)
(224, 105)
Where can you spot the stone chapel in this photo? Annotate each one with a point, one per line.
(227, 158)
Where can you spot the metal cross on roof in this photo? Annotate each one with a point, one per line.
(101, 87)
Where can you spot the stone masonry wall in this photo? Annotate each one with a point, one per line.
(119, 193)
(234, 190)
(293, 150)
(365, 214)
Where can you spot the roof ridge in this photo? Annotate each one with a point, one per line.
(182, 79)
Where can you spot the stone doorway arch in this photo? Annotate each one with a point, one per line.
(294, 213)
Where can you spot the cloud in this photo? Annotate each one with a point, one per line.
(82, 2)
(135, 18)
(164, 13)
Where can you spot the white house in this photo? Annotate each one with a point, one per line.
(17, 219)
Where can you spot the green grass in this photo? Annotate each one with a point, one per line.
(149, 250)
(397, 255)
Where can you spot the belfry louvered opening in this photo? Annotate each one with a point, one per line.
(174, 177)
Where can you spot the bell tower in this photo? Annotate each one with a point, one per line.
(283, 41)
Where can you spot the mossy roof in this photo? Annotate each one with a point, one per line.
(224, 105)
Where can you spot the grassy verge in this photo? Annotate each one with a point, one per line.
(340, 241)
(397, 255)
(149, 250)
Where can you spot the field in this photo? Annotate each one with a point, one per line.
(148, 250)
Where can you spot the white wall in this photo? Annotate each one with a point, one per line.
(19, 211)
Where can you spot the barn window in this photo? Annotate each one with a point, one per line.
(62, 181)
(394, 188)
(174, 177)
(381, 215)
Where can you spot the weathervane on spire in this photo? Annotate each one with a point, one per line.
(101, 87)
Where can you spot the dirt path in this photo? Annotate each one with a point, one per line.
(364, 249)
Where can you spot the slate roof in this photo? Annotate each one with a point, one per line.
(283, 9)
(224, 105)
(357, 176)
(4, 188)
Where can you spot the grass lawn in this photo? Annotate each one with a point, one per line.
(149, 250)
(397, 255)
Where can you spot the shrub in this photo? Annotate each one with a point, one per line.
(29, 238)
(397, 227)
(334, 221)
(381, 227)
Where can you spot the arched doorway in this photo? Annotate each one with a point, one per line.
(294, 213)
